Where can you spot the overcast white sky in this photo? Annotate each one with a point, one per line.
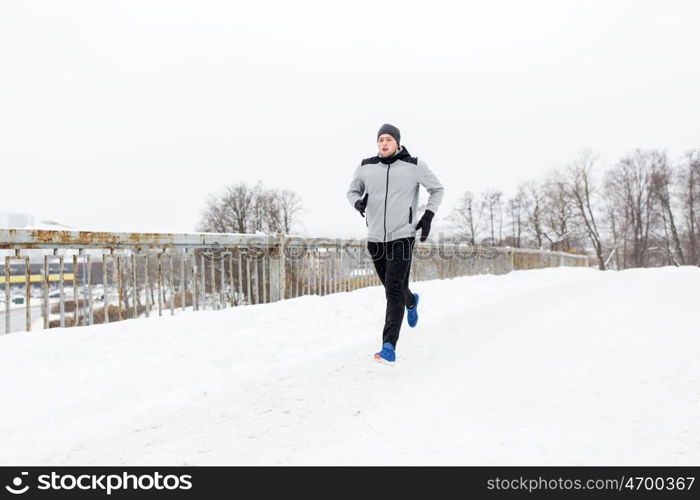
(125, 115)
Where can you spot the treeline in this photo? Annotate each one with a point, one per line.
(642, 211)
(241, 208)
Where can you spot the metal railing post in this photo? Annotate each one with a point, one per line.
(277, 269)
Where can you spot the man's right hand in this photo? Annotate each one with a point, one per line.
(361, 205)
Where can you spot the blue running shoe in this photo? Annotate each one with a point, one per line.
(387, 354)
(412, 316)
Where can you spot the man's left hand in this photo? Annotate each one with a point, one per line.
(424, 224)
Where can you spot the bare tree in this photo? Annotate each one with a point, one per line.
(245, 209)
(215, 215)
(580, 190)
(516, 213)
(238, 201)
(534, 202)
(290, 207)
(463, 217)
(260, 213)
(618, 218)
(644, 212)
(631, 182)
(492, 208)
(662, 180)
(558, 213)
(689, 188)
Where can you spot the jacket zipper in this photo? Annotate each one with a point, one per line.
(386, 195)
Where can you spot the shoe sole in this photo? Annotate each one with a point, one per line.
(383, 361)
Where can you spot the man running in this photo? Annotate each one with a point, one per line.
(384, 189)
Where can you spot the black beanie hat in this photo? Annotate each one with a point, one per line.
(391, 130)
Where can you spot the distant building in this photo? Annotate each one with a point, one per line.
(9, 220)
(18, 273)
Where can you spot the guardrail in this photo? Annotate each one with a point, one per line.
(84, 278)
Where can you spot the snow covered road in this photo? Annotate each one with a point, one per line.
(560, 366)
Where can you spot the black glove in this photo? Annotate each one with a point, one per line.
(360, 205)
(424, 224)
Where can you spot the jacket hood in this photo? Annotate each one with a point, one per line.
(399, 155)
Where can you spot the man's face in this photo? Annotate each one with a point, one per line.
(387, 145)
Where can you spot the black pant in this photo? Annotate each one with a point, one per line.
(392, 260)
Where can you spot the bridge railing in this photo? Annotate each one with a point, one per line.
(71, 278)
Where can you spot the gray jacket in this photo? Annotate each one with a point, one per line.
(392, 187)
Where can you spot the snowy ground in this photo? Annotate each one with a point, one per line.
(559, 366)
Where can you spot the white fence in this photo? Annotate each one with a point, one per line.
(73, 278)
